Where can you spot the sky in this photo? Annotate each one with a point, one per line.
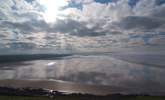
(103, 25)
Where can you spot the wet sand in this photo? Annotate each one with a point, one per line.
(62, 86)
(106, 74)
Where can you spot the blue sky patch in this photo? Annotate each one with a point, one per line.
(73, 4)
(103, 1)
(132, 3)
(29, 1)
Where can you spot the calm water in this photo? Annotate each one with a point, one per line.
(106, 73)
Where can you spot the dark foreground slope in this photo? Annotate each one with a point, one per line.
(7, 93)
(81, 98)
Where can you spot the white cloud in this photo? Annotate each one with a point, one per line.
(144, 7)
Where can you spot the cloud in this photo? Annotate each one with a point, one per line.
(142, 17)
(21, 45)
(76, 28)
(82, 1)
(115, 20)
(140, 23)
(136, 42)
(157, 40)
(27, 26)
(70, 26)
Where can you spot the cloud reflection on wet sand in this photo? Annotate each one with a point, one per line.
(92, 70)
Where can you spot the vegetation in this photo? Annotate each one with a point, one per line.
(81, 98)
(8, 93)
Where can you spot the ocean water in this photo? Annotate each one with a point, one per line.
(104, 73)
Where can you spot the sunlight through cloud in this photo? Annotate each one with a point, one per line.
(52, 9)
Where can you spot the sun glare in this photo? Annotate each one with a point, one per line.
(52, 9)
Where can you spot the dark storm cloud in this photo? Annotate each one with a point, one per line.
(75, 28)
(70, 26)
(140, 23)
(30, 16)
(2, 15)
(159, 12)
(160, 2)
(26, 27)
(21, 45)
(115, 33)
(15, 25)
